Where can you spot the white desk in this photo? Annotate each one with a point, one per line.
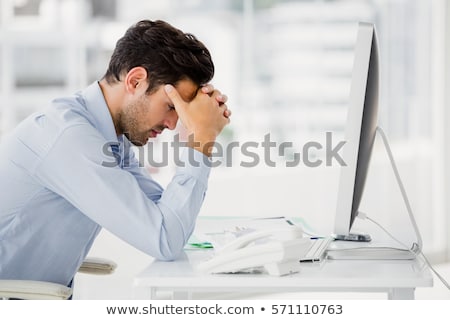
(397, 278)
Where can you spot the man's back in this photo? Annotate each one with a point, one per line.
(32, 216)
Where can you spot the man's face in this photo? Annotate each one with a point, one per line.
(146, 116)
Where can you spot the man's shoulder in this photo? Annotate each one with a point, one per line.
(42, 129)
(69, 111)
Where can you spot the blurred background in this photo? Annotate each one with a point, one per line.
(286, 68)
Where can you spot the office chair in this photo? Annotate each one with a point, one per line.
(44, 290)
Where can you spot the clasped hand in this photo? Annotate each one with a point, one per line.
(204, 117)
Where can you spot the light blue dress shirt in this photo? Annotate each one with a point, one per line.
(57, 193)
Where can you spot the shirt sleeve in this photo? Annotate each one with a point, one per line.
(150, 187)
(118, 200)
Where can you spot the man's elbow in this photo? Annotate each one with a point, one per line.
(169, 252)
(169, 256)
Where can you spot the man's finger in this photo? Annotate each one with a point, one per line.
(222, 98)
(174, 96)
(208, 88)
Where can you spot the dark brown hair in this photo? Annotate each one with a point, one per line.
(168, 54)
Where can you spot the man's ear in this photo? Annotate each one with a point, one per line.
(136, 80)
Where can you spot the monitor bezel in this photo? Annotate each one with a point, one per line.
(360, 130)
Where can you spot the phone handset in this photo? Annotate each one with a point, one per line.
(279, 255)
(282, 234)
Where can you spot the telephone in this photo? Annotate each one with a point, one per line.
(278, 251)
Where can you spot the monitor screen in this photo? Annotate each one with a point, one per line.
(360, 131)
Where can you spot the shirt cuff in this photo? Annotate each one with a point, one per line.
(194, 163)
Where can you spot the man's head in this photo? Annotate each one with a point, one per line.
(166, 53)
(150, 55)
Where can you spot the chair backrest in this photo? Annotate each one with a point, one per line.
(33, 290)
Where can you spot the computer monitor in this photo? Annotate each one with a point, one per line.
(360, 132)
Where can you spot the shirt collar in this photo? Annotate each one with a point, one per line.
(97, 107)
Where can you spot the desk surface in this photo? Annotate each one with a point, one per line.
(327, 274)
(398, 278)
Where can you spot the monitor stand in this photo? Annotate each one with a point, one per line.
(377, 251)
(357, 237)
(371, 252)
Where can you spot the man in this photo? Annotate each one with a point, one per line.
(58, 187)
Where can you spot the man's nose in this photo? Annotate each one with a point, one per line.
(171, 121)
